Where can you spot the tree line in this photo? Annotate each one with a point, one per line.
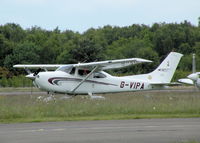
(39, 46)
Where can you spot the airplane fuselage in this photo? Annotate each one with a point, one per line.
(62, 82)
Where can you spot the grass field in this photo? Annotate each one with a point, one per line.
(21, 89)
(26, 108)
(191, 142)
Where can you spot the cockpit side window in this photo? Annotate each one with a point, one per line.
(83, 72)
(99, 75)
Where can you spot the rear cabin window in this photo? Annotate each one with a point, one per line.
(99, 75)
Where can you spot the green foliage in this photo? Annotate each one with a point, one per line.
(185, 48)
(13, 32)
(24, 53)
(15, 81)
(87, 50)
(186, 63)
(133, 47)
(6, 47)
(4, 72)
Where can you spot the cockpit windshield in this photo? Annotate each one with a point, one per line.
(68, 69)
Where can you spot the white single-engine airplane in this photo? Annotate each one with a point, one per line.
(194, 78)
(89, 78)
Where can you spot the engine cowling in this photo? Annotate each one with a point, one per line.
(193, 76)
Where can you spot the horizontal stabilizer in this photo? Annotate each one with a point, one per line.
(186, 81)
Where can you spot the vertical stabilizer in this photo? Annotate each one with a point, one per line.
(165, 71)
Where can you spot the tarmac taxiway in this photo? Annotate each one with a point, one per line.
(107, 131)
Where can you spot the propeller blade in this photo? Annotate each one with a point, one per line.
(37, 71)
(193, 76)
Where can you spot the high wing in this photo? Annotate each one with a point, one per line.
(102, 65)
(42, 66)
(112, 64)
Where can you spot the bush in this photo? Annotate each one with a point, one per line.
(15, 81)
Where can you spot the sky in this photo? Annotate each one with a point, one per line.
(80, 15)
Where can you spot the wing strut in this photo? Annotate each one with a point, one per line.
(84, 79)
